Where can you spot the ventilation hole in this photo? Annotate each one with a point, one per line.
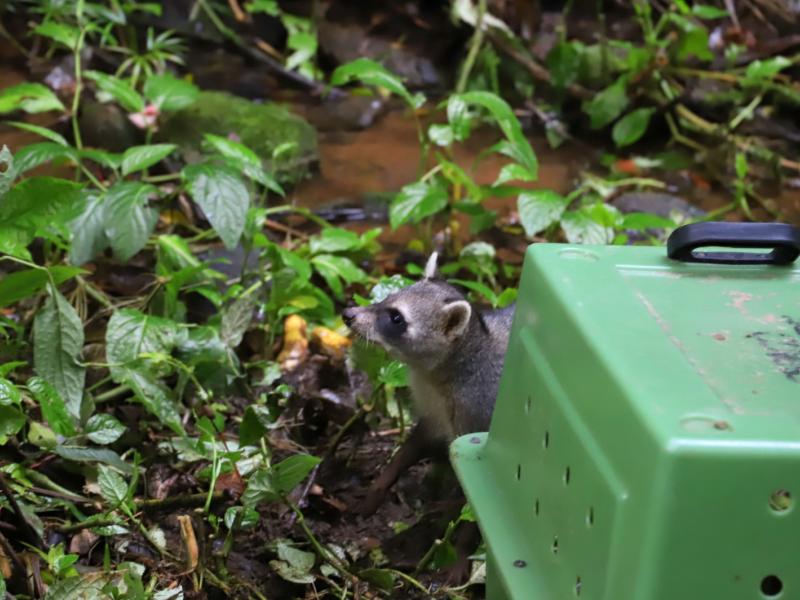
(554, 547)
(519, 472)
(528, 405)
(536, 507)
(771, 586)
(780, 501)
(590, 516)
(546, 439)
(578, 586)
(566, 476)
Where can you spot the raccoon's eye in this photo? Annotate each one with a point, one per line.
(396, 317)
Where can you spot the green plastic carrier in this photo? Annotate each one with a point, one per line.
(645, 444)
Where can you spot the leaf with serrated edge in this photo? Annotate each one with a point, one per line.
(221, 194)
(129, 219)
(58, 341)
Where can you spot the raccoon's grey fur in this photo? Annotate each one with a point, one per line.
(454, 353)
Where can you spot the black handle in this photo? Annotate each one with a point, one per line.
(782, 238)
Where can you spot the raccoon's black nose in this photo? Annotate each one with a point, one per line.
(348, 316)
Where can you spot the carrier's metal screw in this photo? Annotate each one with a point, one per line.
(520, 564)
(475, 440)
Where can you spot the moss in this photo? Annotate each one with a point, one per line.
(261, 127)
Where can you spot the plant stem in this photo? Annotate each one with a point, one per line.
(474, 48)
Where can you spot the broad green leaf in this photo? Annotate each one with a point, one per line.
(154, 396)
(169, 93)
(9, 393)
(54, 409)
(387, 286)
(223, 197)
(641, 221)
(513, 172)
(41, 131)
(538, 209)
(759, 70)
(694, 42)
(269, 485)
(138, 158)
(631, 127)
(459, 118)
(608, 104)
(381, 578)
(93, 456)
(109, 160)
(704, 11)
(371, 73)
(332, 268)
(112, 486)
(416, 201)
(563, 63)
(89, 231)
(57, 345)
(244, 158)
(129, 220)
(590, 224)
(441, 135)
(119, 89)
(60, 32)
(29, 97)
(477, 287)
(334, 239)
(518, 146)
(294, 565)
(12, 420)
(34, 155)
(103, 429)
(131, 333)
(236, 319)
(23, 284)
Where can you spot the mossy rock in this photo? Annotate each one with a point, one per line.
(261, 127)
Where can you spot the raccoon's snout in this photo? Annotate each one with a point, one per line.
(348, 316)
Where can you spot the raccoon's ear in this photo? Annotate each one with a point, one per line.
(456, 317)
(430, 266)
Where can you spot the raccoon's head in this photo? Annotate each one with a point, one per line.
(419, 324)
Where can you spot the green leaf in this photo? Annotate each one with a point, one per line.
(236, 319)
(247, 160)
(104, 429)
(269, 485)
(294, 565)
(89, 231)
(334, 239)
(459, 118)
(478, 288)
(34, 155)
(93, 456)
(131, 333)
(539, 209)
(138, 158)
(371, 73)
(60, 32)
(632, 127)
(416, 201)
(704, 11)
(109, 160)
(26, 283)
(694, 42)
(7, 171)
(517, 146)
(223, 197)
(12, 420)
(41, 131)
(29, 97)
(57, 345)
(608, 104)
(513, 172)
(119, 89)
(128, 218)
(759, 70)
(9, 393)
(54, 409)
(563, 63)
(590, 224)
(154, 396)
(112, 486)
(387, 286)
(168, 93)
(441, 135)
(332, 268)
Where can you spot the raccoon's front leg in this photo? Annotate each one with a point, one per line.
(420, 444)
